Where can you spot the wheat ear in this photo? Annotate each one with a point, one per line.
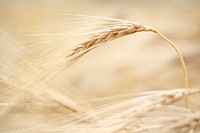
(152, 102)
(117, 31)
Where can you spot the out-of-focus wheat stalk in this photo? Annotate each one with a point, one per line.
(130, 116)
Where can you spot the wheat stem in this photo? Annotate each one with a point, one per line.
(182, 64)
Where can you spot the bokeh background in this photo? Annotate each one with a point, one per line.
(133, 63)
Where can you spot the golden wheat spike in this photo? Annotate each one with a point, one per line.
(108, 34)
(114, 32)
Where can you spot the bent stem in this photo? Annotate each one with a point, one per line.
(182, 63)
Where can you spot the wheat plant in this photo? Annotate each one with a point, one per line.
(32, 86)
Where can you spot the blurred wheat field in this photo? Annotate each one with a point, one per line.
(130, 84)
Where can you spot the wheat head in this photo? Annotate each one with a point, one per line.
(119, 30)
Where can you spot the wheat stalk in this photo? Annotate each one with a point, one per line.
(116, 31)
